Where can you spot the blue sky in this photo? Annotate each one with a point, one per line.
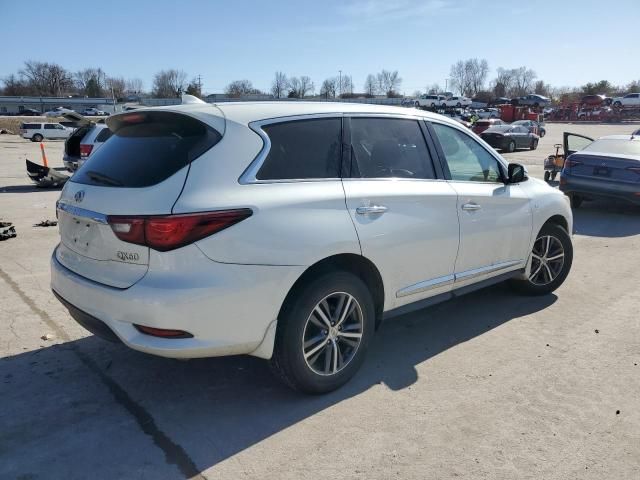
(567, 42)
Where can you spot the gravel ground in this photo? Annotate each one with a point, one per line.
(488, 386)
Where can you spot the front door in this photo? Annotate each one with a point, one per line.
(495, 218)
(405, 218)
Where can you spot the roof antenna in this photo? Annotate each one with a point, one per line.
(190, 99)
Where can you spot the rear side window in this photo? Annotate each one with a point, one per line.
(303, 149)
(146, 148)
(104, 134)
(388, 148)
(31, 126)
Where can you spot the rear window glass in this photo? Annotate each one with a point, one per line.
(146, 148)
(303, 149)
(103, 135)
(615, 146)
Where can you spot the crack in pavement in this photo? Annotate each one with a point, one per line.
(174, 453)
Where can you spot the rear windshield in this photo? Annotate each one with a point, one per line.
(615, 146)
(146, 148)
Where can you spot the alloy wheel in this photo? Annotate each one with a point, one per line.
(332, 333)
(547, 260)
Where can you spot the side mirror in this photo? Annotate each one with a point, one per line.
(516, 173)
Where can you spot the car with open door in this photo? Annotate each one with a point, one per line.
(87, 137)
(290, 230)
(608, 167)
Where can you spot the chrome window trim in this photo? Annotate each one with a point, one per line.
(82, 213)
(478, 272)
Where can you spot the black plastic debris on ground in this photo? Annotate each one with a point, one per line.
(8, 233)
(46, 223)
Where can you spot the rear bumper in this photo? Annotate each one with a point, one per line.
(228, 308)
(587, 187)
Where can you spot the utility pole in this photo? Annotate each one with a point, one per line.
(200, 83)
(340, 83)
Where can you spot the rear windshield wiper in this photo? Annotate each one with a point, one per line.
(104, 179)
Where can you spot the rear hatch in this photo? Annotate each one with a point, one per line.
(140, 171)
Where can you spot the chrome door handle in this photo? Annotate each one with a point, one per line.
(471, 207)
(371, 210)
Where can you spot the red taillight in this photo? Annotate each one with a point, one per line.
(163, 332)
(168, 232)
(634, 169)
(572, 163)
(85, 150)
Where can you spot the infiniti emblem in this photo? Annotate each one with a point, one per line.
(79, 196)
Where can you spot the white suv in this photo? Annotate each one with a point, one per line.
(38, 131)
(629, 100)
(457, 102)
(289, 231)
(429, 101)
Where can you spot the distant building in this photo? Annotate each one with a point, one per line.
(15, 105)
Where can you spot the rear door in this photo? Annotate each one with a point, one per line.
(140, 171)
(495, 218)
(405, 217)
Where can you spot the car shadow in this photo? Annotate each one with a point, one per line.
(63, 407)
(607, 218)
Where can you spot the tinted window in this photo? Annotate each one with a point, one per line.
(104, 134)
(303, 149)
(467, 159)
(49, 126)
(31, 126)
(388, 148)
(146, 148)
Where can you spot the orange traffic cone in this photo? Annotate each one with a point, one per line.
(44, 155)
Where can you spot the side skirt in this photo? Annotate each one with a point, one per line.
(443, 297)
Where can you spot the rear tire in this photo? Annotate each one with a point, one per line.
(576, 201)
(37, 138)
(511, 147)
(313, 353)
(551, 259)
(534, 144)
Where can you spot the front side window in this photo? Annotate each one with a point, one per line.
(49, 126)
(388, 148)
(467, 160)
(303, 149)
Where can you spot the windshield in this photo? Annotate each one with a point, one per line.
(618, 146)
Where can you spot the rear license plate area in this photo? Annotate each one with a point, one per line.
(602, 171)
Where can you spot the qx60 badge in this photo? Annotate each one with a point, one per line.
(79, 196)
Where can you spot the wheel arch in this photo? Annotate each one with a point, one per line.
(358, 265)
(559, 220)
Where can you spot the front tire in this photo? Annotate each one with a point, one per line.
(511, 147)
(37, 138)
(534, 144)
(324, 332)
(547, 176)
(550, 262)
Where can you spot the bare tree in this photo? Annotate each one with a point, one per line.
(477, 72)
(279, 85)
(370, 85)
(47, 78)
(458, 75)
(238, 88)
(523, 80)
(115, 87)
(433, 89)
(389, 82)
(169, 83)
(503, 83)
(91, 81)
(329, 87)
(345, 86)
(14, 86)
(299, 87)
(134, 86)
(194, 88)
